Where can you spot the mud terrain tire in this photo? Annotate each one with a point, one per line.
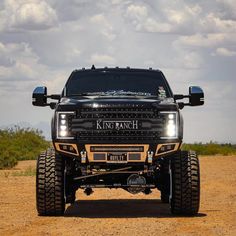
(185, 186)
(164, 198)
(165, 181)
(50, 184)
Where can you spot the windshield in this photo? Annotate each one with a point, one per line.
(105, 83)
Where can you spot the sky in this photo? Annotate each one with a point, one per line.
(192, 42)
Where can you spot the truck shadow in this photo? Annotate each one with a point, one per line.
(122, 208)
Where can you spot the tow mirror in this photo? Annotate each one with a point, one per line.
(39, 97)
(196, 96)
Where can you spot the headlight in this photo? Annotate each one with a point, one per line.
(63, 131)
(170, 125)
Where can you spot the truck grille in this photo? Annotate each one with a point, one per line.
(147, 125)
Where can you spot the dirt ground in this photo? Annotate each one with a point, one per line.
(116, 212)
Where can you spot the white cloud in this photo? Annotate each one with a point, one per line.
(200, 40)
(152, 26)
(213, 23)
(163, 18)
(175, 16)
(182, 16)
(137, 11)
(22, 59)
(139, 16)
(118, 1)
(27, 15)
(192, 60)
(99, 18)
(5, 60)
(71, 54)
(225, 52)
(227, 9)
(102, 59)
(105, 27)
(26, 71)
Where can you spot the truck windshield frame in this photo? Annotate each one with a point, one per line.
(142, 83)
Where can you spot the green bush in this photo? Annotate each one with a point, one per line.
(211, 148)
(7, 159)
(20, 144)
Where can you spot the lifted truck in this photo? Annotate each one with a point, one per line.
(117, 128)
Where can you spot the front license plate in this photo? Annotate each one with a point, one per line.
(117, 157)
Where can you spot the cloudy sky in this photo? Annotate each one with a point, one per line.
(192, 42)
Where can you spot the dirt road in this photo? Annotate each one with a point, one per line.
(116, 212)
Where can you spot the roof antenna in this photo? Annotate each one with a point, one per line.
(93, 67)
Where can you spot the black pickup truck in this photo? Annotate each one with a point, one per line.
(117, 128)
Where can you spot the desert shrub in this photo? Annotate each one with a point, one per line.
(20, 144)
(7, 159)
(211, 148)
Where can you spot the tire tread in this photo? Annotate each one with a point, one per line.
(185, 183)
(50, 184)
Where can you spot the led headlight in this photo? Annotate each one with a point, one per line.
(171, 125)
(63, 125)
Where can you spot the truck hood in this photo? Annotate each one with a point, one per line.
(67, 104)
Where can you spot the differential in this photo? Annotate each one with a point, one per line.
(136, 183)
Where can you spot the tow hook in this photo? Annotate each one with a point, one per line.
(88, 191)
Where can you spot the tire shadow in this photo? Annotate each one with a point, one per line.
(120, 208)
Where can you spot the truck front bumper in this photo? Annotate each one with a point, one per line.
(116, 153)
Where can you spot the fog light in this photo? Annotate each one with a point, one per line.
(69, 148)
(164, 148)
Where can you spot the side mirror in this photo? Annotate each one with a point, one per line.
(39, 97)
(196, 96)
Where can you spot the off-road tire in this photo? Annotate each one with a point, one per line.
(164, 197)
(185, 184)
(50, 184)
(165, 181)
